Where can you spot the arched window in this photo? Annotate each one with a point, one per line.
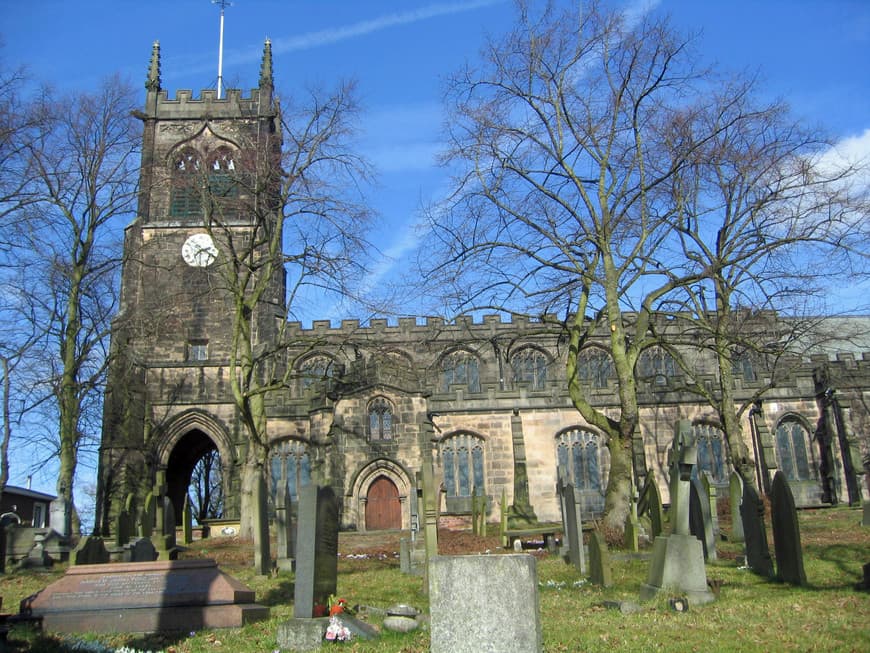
(581, 457)
(793, 450)
(380, 419)
(530, 366)
(594, 367)
(315, 369)
(712, 452)
(655, 365)
(460, 368)
(289, 459)
(185, 195)
(742, 367)
(462, 460)
(223, 181)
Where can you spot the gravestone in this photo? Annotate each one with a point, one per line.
(91, 550)
(713, 497)
(632, 525)
(430, 501)
(650, 503)
(572, 524)
(735, 491)
(148, 517)
(187, 521)
(316, 550)
(284, 526)
(139, 549)
(865, 519)
(260, 527)
(600, 572)
(123, 528)
(145, 597)
(754, 532)
(484, 603)
(678, 560)
(700, 520)
(786, 532)
(60, 516)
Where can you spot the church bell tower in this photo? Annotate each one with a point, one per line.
(208, 188)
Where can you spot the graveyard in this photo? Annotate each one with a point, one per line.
(749, 611)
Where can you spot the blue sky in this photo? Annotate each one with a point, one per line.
(813, 53)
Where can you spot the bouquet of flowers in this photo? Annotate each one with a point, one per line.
(336, 631)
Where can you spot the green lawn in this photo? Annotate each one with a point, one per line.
(751, 613)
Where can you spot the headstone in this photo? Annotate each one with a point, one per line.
(754, 532)
(677, 562)
(650, 503)
(786, 532)
(139, 549)
(148, 517)
(700, 521)
(284, 527)
(260, 528)
(865, 520)
(431, 498)
(60, 516)
(713, 497)
(632, 525)
(187, 521)
(735, 492)
(91, 550)
(484, 603)
(572, 524)
(599, 561)
(123, 528)
(163, 596)
(316, 550)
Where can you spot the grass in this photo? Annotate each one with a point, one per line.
(751, 614)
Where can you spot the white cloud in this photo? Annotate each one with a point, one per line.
(850, 152)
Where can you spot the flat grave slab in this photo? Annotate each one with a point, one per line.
(170, 595)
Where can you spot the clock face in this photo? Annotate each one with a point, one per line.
(199, 251)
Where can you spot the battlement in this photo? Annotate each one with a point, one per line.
(406, 325)
(234, 104)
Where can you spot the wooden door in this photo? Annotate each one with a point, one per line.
(383, 508)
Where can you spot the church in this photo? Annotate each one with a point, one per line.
(365, 404)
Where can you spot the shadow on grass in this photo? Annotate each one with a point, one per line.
(280, 594)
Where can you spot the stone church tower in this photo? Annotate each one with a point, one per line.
(201, 187)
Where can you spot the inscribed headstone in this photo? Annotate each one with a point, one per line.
(316, 550)
(484, 603)
(786, 532)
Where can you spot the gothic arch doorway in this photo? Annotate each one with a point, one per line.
(383, 506)
(387, 485)
(187, 456)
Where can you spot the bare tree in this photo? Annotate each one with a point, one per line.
(561, 204)
(768, 223)
(207, 500)
(81, 174)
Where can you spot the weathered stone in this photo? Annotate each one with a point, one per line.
(158, 596)
(400, 624)
(600, 572)
(735, 492)
(700, 519)
(317, 550)
(466, 617)
(678, 566)
(572, 524)
(139, 549)
(754, 532)
(786, 532)
(403, 610)
(90, 551)
(284, 526)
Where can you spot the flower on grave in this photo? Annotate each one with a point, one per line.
(336, 605)
(337, 631)
(319, 610)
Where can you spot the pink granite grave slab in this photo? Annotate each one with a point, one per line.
(144, 597)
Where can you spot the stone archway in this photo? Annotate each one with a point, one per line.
(188, 438)
(387, 484)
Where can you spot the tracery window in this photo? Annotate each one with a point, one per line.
(530, 366)
(594, 367)
(712, 452)
(316, 368)
(655, 365)
(185, 195)
(223, 182)
(289, 458)
(793, 450)
(380, 425)
(462, 461)
(581, 457)
(460, 368)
